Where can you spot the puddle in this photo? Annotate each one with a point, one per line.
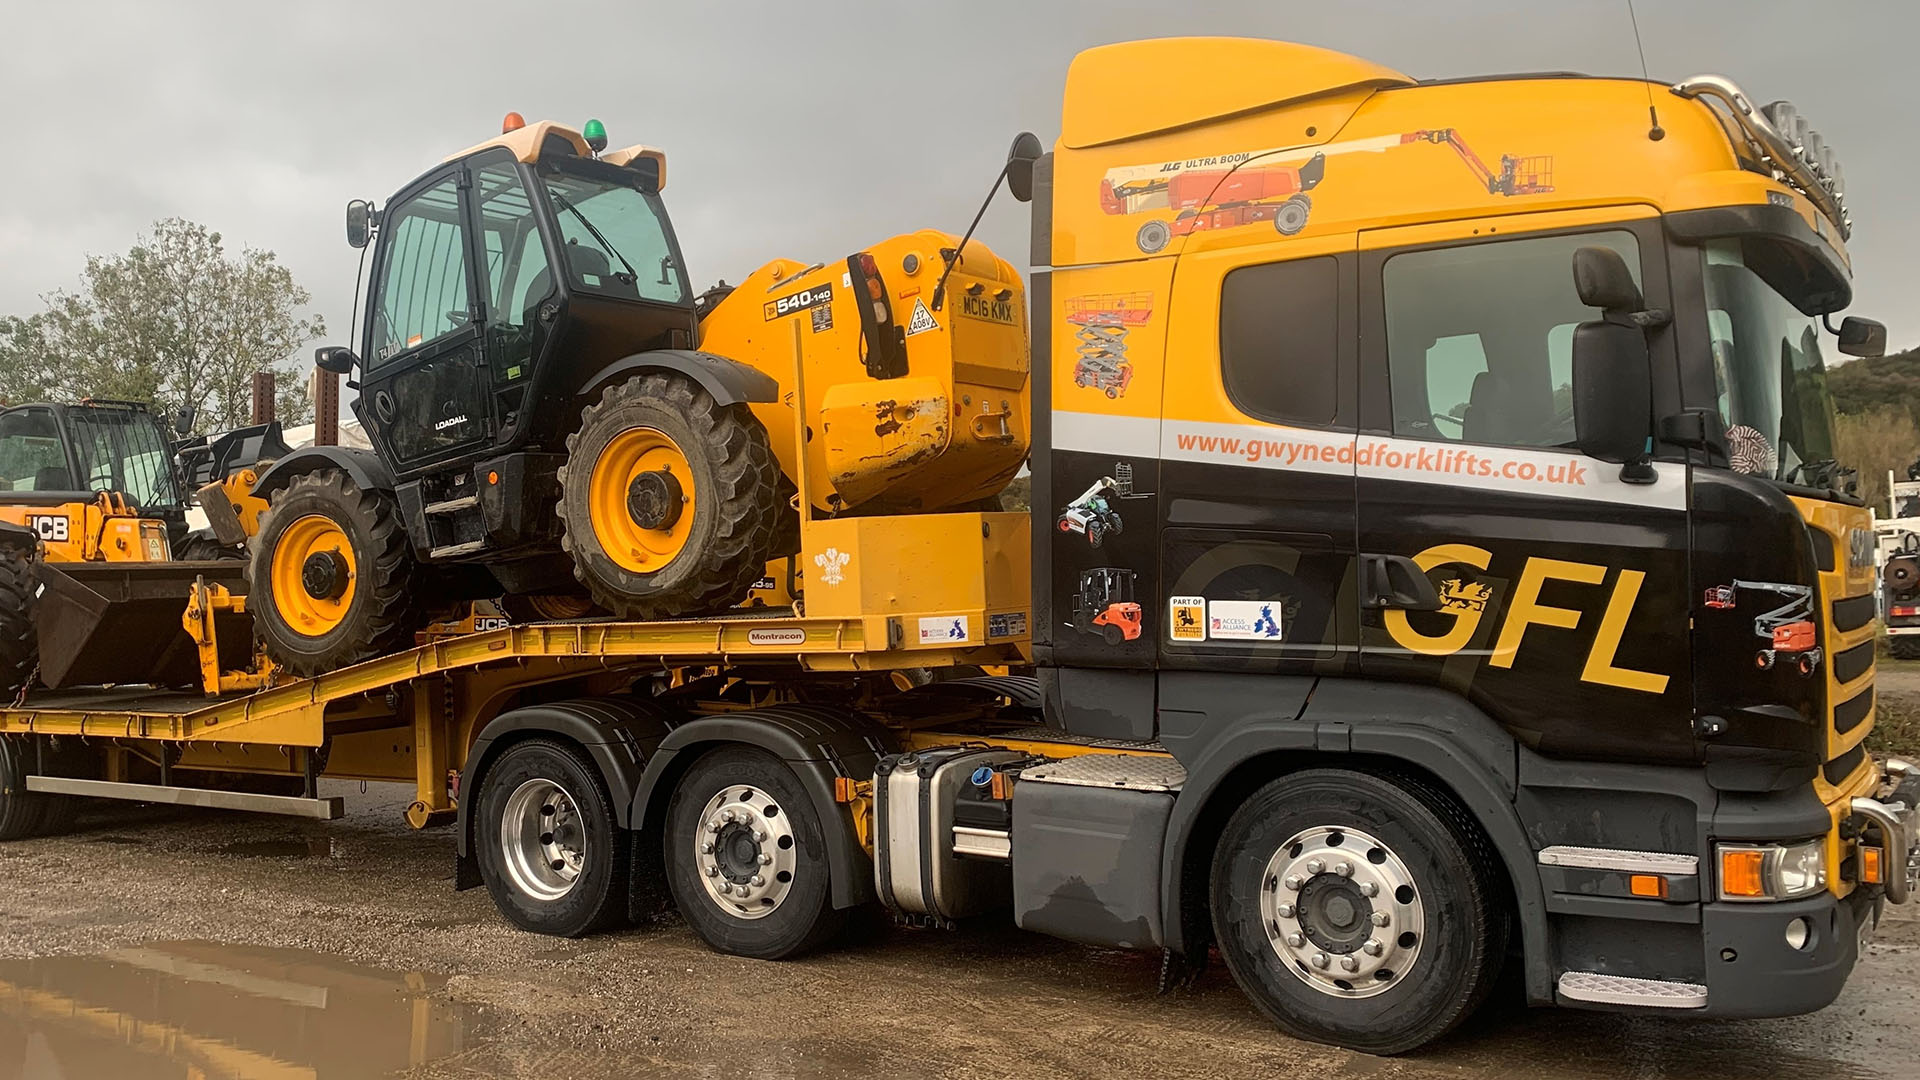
(199, 1010)
(314, 848)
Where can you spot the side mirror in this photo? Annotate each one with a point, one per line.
(1602, 279)
(335, 358)
(1025, 151)
(1862, 337)
(1612, 391)
(183, 420)
(359, 222)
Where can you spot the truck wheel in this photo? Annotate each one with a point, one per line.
(1153, 236)
(19, 647)
(331, 578)
(1357, 911)
(1904, 647)
(548, 848)
(668, 501)
(1292, 215)
(747, 857)
(22, 812)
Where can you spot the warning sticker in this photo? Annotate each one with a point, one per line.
(822, 318)
(945, 630)
(1243, 620)
(1007, 624)
(1187, 618)
(799, 301)
(922, 320)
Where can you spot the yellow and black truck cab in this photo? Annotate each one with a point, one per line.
(1477, 428)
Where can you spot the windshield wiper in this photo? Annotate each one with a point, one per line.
(632, 274)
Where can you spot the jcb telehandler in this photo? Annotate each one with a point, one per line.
(554, 418)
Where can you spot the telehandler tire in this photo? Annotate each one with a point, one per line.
(330, 581)
(669, 501)
(19, 648)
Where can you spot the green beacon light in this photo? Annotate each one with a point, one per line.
(596, 135)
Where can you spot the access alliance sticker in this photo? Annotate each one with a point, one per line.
(1243, 620)
(945, 630)
(1187, 618)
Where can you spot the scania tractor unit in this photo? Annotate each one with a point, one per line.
(1437, 562)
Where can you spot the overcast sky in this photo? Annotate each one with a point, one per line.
(792, 129)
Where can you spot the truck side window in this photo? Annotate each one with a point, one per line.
(423, 293)
(1279, 340)
(1480, 338)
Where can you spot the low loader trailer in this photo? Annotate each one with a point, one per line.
(1459, 579)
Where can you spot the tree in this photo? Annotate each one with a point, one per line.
(175, 321)
(1875, 441)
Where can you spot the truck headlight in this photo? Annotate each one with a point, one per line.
(1772, 871)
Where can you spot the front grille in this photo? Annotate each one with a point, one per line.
(1842, 767)
(1853, 663)
(1848, 714)
(1853, 613)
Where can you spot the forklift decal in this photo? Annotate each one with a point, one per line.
(1094, 514)
(1104, 605)
(1104, 321)
(1525, 611)
(1187, 618)
(1231, 190)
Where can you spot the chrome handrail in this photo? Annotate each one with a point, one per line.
(1780, 153)
(1899, 854)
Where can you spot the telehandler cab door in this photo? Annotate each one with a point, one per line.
(425, 395)
(1552, 585)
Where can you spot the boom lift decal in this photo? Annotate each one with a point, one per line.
(1227, 192)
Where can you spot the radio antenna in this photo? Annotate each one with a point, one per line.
(1655, 132)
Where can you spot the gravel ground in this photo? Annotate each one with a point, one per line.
(990, 1002)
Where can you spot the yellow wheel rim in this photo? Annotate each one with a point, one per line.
(621, 487)
(313, 575)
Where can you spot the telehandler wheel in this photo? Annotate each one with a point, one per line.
(1358, 910)
(19, 647)
(548, 848)
(669, 502)
(746, 857)
(331, 577)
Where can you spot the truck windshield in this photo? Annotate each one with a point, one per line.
(614, 233)
(1769, 374)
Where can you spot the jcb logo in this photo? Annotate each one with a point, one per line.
(51, 528)
(1524, 610)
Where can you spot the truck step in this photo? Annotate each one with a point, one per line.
(1130, 772)
(286, 805)
(453, 506)
(1591, 986)
(452, 551)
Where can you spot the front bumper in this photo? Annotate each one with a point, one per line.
(1753, 972)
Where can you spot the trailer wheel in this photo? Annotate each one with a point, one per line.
(1291, 217)
(549, 851)
(23, 813)
(331, 577)
(19, 648)
(1153, 236)
(747, 857)
(669, 502)
(1904, 647)
(1358, 911)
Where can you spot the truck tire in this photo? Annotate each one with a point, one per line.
(1904, 647)
(668, 501)
(19, 647)
(548, 848)
(1357, 910)
(746, 857)
(330, 581)
(23, 813)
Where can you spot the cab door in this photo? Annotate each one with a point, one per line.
(1257, 529)
(1559, 591)
(424, 399)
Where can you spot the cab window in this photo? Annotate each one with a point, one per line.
(31, 455)
(1480, 338)
(518, 278)
(1279, 334)
(423, 288)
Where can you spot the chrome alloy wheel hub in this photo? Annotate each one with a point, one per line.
(543, 840)
(746, 852)
(1342, 911)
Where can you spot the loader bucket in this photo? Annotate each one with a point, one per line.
(101, 623)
